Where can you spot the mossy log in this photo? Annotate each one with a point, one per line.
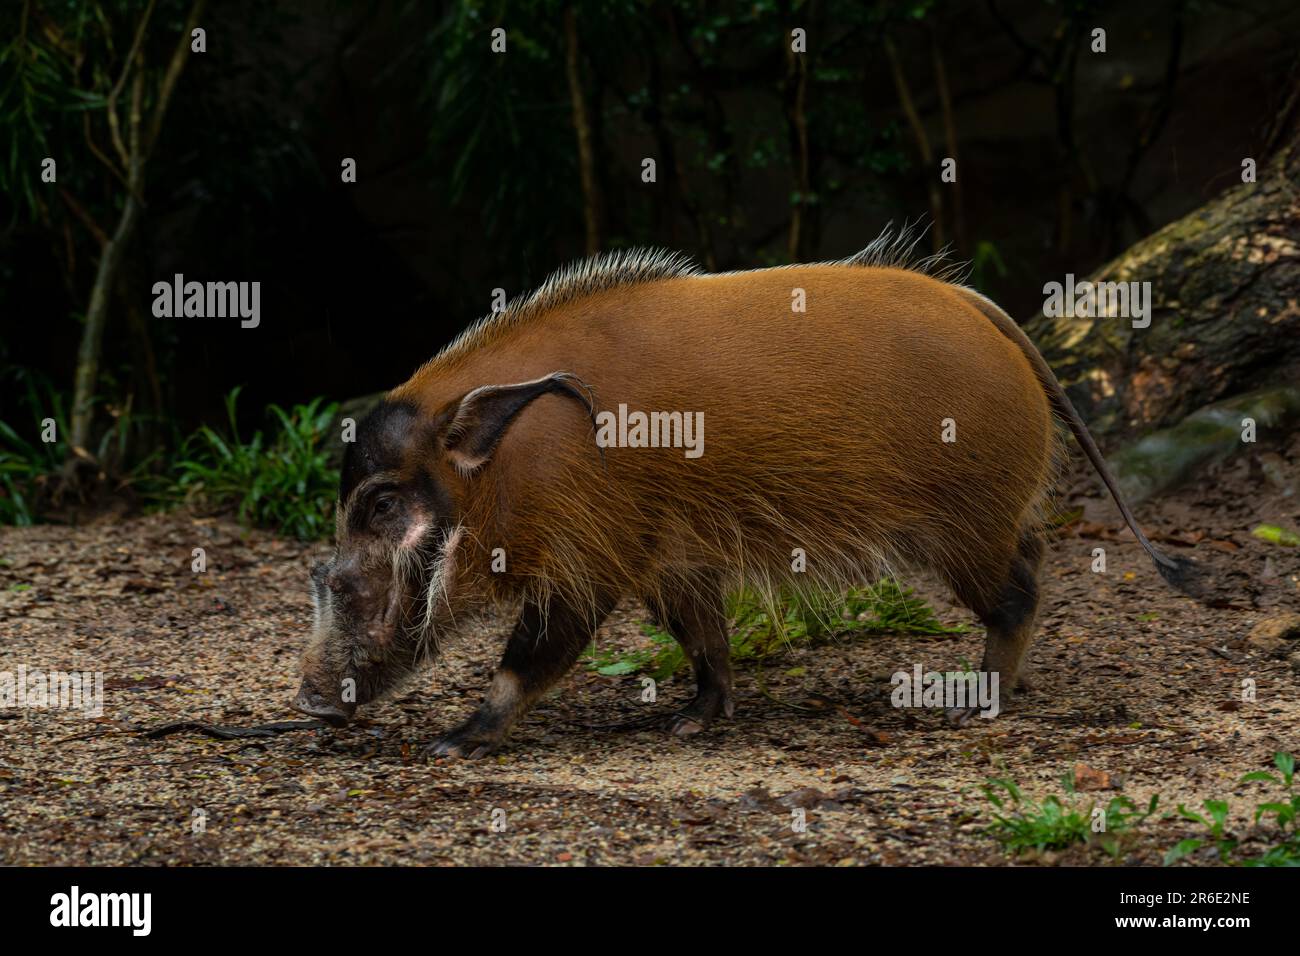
(1225, 311)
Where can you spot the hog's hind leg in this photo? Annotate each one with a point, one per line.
(693, 612)
(1009, 612)
(545, 643)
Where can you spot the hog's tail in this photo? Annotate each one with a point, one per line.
(1185, 575)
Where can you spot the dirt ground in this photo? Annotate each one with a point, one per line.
(1131, 680)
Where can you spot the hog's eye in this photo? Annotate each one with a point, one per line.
(383, 505)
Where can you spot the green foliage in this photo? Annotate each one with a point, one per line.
(1020, 824)
(659, 660)
(26, 466)
(501, 126)
(1284, 811)
(59, 61)
(62, 62)
(1275, 535)
(29, 467)
(764, 628)
(36, 82)
(282, 481)
(500, 135)
(986, 262)
(1215, 823)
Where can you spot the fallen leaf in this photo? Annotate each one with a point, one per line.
(1086, 778)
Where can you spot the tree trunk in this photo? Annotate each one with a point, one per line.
(92, 334)
(928, 168)
(591, 198)
(796, 99)
(134, 154)
(950, 143)
(1225, 311)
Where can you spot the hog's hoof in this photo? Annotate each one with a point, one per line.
(683, 726)
(696, 716)
(466, 742)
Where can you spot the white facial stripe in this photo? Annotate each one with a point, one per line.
(322, 610)
(441, 573)
(414, 534)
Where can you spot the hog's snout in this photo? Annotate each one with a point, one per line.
(314, 704)
(344, 579)
(347, 586)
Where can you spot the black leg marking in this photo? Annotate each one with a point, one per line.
(541, 649)
(693, 613)
(1010, 622)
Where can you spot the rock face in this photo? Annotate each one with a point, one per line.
(1225, 311)
(1280, 627)
(1277, 636)
(1165, 458)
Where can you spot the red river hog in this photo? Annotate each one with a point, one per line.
(636, 427)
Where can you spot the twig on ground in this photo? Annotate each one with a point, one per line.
(234, 733)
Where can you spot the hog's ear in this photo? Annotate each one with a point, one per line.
(483, 415)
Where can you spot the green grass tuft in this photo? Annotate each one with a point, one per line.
(26, 467)
(281, 479)
(1020, 824)
(761, 629)
(1283, 812)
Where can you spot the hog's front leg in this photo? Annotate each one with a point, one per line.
(545, 643)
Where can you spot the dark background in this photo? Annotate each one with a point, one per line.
(469, 179)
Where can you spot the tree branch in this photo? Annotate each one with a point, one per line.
(922, 142)
(99, 153)
(950, 137)
(591, 207)
(86, 218)
(797, 121)
(173, 74)
(133, 134)
(110, 104)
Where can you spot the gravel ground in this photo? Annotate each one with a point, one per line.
(1131, 680)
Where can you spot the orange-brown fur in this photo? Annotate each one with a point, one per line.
(822, 432)
(823, 437)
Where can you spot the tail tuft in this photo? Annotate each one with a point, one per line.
(1183, 573)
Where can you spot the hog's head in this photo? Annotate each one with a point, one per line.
(395, 585)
